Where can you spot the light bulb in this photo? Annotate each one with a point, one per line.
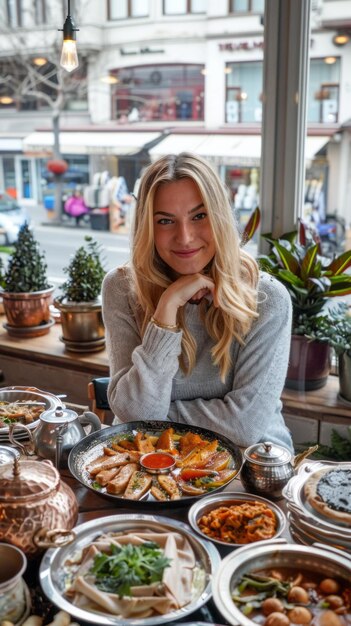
(69, 56)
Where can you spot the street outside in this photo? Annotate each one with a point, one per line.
(59, 243)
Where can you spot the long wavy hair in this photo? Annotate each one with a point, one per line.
(234, 272)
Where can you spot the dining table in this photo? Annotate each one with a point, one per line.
(92, 505)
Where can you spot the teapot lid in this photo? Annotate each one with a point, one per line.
(267, 453)
(27, 479)
(58, 415)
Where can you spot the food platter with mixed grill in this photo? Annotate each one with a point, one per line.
(157, 462)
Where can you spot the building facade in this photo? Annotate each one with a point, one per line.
(169, 75)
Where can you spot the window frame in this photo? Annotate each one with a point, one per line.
(40, 7)
(249, 11)
(129, 13)
(188, 10)
(18, 18)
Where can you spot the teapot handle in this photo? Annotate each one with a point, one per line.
(90, 418)
(53, 538)
(25, 449)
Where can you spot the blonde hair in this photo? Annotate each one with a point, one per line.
(235, 273)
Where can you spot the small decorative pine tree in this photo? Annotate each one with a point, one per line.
(26, 269)
(85, 274)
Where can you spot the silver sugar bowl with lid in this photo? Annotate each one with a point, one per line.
(266, 469)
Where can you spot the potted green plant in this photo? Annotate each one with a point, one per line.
(80, 300)
(335, 329)
(25, 289)
(312, 280)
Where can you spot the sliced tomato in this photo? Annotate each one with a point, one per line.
(223, 477)
(191, 473)
(219, 461)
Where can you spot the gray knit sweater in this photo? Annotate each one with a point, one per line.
(147, 383)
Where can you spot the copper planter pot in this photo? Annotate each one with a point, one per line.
(24, 310)
(345, 375)
(82, 325)
(309, 364)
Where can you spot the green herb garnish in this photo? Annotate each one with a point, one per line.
(96, 485)
(128, 566)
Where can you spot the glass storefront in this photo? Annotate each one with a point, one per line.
(243, 184)
(244, 89)
(159, 92)
(323, 90)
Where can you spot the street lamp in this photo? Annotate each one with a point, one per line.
(69, 56)
(341, 38)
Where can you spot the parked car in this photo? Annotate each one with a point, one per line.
(12, 216)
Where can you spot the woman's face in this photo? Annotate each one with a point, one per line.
(182, 230)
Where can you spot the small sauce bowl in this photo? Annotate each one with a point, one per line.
(157, 462)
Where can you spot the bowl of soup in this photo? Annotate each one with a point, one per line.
(282, 584)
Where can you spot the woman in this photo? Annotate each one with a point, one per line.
(220, 365)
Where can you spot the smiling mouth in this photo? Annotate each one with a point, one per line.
(186, 253)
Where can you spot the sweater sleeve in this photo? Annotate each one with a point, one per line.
(251, 411)
(141, 370)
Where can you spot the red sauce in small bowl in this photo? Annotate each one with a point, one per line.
(157, 461)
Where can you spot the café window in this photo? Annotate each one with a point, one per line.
(122, 9)
(39, 12)
(14, 13)
(323, 94)
(246, 6)
(183, 7)
(243, 92)
(159, 92)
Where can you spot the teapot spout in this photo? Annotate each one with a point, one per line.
(299, 458)
(90, 418)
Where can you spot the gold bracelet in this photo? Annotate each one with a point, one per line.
(172, 327)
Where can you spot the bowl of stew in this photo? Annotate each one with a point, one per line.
(234, 519)
(280, 583)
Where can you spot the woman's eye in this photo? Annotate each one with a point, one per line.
(200, 216)
(164, 220)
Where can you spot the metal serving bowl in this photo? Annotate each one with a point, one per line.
(146, 458)
(208, 503)
(28, 394)
(52, 566)
(318, 558)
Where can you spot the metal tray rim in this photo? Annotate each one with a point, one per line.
(55, 556)
(224, 498)
(106, 433)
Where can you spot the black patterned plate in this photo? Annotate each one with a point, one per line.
(91, 447)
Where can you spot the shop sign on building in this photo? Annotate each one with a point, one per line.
(232, 46)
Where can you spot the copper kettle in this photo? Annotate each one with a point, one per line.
(37, 509)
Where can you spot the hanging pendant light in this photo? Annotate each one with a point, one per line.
(69, 56)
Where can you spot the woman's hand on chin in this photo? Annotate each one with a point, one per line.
(192, 287)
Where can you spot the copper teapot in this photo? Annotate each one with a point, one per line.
(59, 429)
(37, 509)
